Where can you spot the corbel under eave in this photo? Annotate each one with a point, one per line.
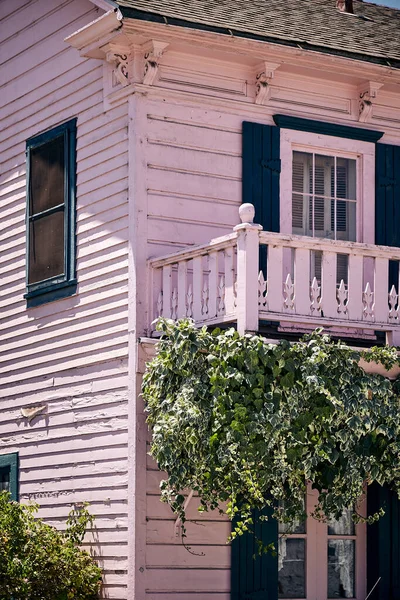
(264, 77)
(367, 93)
(153, 51)
(118, 56)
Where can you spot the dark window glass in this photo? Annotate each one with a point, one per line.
(47, 175)
(4, 480)
(46, 252)
(51, 215)
(341, 568)
(291, 568)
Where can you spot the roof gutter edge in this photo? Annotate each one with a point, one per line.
(140, 15)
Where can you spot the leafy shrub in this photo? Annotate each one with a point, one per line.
(249, 424)
(38, 562)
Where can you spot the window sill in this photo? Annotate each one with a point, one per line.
(57, 291)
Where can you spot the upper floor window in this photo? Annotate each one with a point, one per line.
(324, 196)
(327, 187)
(51, 168)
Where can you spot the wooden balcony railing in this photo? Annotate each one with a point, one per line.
(299, 282)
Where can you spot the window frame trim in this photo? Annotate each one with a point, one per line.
(316, 551)
(327, 214)
(326, 128)
(364, 154)
(59, 286)
(11, 461)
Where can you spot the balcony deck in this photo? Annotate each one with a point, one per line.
(221, 282)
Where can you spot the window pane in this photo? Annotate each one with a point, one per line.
(345, 219)
(291, 566)
(290, 528)
(294, 527)
(4, 480)
(299, 159)
(46, 252)
(341, 559)
(346, 178)
(344, 525)
(321, 223)
(323, 169)
(297, 212)
(301, 211)
(47, 175)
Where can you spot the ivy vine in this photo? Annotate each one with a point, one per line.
(247, 424)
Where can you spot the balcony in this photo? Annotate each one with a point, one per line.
(221, 282)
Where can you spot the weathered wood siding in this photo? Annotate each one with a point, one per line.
(69, 355)
(194, 168)
(184, 181)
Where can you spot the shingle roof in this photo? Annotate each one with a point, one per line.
(371, 34)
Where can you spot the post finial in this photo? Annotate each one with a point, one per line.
(247, 213)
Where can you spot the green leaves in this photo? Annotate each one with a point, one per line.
(237, 419)
(38, 562)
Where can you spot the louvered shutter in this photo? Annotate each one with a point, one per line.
(261, 172)
(255, 577)
(387, 201)
(383, 544)
(383, 538)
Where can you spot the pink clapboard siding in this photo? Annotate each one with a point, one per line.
(193, 192)
(70, 355)
(174, 148)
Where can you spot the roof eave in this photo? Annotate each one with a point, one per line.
(89, 38)
(140, 15)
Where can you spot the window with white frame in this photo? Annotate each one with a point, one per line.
(324, 199)
(327, 187)
(322, 560)
(327, 191)
(324, 202)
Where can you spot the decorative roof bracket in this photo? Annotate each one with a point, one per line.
(264, 76)
(119, 57)
(367, 93)
(153, 51)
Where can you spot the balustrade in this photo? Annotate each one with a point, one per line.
(220, 282)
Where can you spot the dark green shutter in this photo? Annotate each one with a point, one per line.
(387, 201)
(9, 466)
(261, 173)
(383, 544)
(383, 550)
(255, 578)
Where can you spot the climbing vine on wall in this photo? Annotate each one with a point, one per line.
(247, 424)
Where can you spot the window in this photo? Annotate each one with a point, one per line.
(327, 186)
(9, 474)
(322, 560)
(51, 167)
(327, 191)
(324, 201)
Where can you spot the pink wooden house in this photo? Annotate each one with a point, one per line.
(131, 134)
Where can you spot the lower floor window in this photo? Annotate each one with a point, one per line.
(9, 474)
(322, 560)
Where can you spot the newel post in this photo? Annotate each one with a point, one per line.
(247, 270)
